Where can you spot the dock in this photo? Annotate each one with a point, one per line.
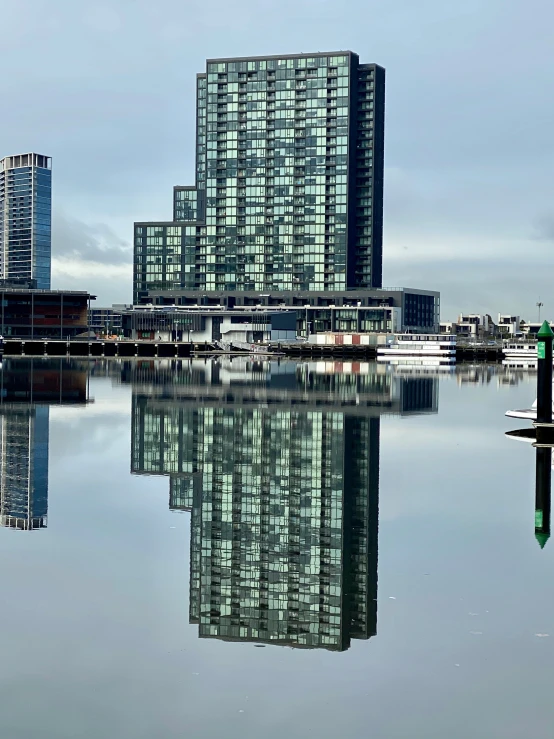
(99, 348)
(169, 349)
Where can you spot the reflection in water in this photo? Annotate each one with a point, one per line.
(24, 466)
(279, 465)
(543, 494)
(27, 388)
(543, 483)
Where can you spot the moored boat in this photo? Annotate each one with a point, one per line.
(440, 347)
(529, 414)
(519, 349)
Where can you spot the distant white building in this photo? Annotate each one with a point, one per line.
(509, 325)
(531, 328)
(448, 327)
(475, 324)
(472, 325)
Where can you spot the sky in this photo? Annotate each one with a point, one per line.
(108, 91)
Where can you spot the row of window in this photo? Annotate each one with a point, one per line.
(291, 63)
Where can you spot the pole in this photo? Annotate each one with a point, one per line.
(544, 376)
(543, 495)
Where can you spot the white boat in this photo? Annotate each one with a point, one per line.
(525, 363)
(529, 414)
(525, 350)
(441, 347)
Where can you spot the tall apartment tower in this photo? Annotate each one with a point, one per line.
(26, 219)
(289, 181)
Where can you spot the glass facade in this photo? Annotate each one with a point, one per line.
(26, 218)
(289, 181)
(185, 204)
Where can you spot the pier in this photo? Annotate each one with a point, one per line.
(149, 348)
(99, 348)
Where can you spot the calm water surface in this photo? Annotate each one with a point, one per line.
(249, 549)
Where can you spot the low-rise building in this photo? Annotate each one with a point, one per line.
(387, 310)
(106, 320)
(475, 325)
(44, 314)
(531, 328)
(175, 323)
(508, 324)
(448, 327)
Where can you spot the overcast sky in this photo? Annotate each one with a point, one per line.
(107, 90)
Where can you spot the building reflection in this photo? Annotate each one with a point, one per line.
(279, 466)
(27, 388)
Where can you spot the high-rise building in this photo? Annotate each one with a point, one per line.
(26, 219)
(289, 182)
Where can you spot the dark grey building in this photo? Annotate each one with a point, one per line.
(289, 182)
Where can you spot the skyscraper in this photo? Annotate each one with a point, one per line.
(289, 181)
(26, 219)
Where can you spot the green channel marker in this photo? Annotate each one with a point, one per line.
(542, 539)
(545, 331)
(544, 382)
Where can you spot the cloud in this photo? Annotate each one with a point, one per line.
(544, 227)
(73, 239)
(491, 284)
(103, 19)
(91, 257)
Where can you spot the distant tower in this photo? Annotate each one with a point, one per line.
(26, 219)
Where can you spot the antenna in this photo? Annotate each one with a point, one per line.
(539, 306)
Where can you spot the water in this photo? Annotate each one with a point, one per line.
(379, 522)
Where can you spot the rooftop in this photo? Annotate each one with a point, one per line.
(36, 291)
(30, 159)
